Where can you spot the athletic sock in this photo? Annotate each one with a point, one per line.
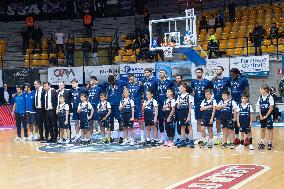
(218, 135)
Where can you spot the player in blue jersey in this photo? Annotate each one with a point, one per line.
(239, 85)
(114, 91)
(265, 103)
(199, 86)
(208, 108)
(19, 110)
(136, 89)
(163, 85)
(244, 119)
(62, 112)
(149, 83)
(76, 92)
(94, 91)
(220, 84)
(30, 112)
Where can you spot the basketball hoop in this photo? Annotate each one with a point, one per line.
(168, 52)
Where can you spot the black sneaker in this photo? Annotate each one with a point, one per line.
(187, 141)
(111, 140)
(182, 144)
(191, 144)
(120, 140)
(200, 142)
(261, 146)
(147, 143)
(269, 147)
(106, 142)
(154, 143)
(224, 145)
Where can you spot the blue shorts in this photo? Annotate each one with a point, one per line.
(267, 123)
(30, 118)
(96, 115)
(104, 123)
(126, 120)
(115, 113)
(84, 125)
(206, 123)
(217, 114)
(198, 113)
(245, 129)
(61, 123)
(137, 112)
(148, 119)
(75, 115)
(181, 117)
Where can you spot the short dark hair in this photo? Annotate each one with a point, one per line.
(163, 70)
(28, 85)
(209, 91)
(148, 69)
(235, 71)
(246, 95)
(61, 96)
(19, 86)
(221, 67)
(74, 80)
(103, 94)
(226, 92)
(111, 78)
(150, 91)
(47, 83)
(200, 69)
(94, 78)
(38, 81)
(179, 76)
(184, 85)
(131, 75)
(84, 95)
(265, 87)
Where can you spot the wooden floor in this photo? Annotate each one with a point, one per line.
(23, 166)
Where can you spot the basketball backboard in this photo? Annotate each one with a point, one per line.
(173, 32)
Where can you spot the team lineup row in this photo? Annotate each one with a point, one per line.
(166, 105)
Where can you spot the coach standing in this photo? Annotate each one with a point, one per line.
(239, 85)
(50, 100)
(40, 110)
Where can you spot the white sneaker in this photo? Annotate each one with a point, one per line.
(124, 142)
(240, 147)
(36, 137)
(31, 138)
(24, 139)
(67, 141)
(251, 147)
(161, 141)
(17, 139)
(132, 142)
(142, 140)
(60, 141)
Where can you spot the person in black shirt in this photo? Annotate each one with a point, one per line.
(70, 47)
(87, 49)
(275, 111)
(203, 24)
(273, 32)
(37, 35)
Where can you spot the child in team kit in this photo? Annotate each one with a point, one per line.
(265, 103)
(150, 109)
(85, 111)
(62, 112)
(127, 111)
(104, 110)
(227, 106)
(183, 112)
(244, 119)
(208, 108)
(169, 110)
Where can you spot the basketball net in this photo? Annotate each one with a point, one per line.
(168, 49)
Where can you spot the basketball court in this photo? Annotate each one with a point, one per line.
(24, 166)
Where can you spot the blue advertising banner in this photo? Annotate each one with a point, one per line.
(254, 66)
(136, 69)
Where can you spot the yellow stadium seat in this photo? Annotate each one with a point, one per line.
(44, 56)
(129, 42)
(281, 48)
(230, 52)
(44, 63)
(117, 59)
(133, 58)
(123, 37)
(129, 52)
(238, 51)
(125, 58)
(271, 49)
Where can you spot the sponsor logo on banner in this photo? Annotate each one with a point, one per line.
(101, 72)
(211, 65)
(223, 177)
(136, 69)
(66, 74)
(257, 66)
(1, 79)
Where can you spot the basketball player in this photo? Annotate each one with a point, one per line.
(220, 84)
(199, 86)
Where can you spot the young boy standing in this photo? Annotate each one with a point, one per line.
(104, 110)
(208, 107)
(244, 120)
(62, 112)
(150, 109)
(86, 112)
(127, 111)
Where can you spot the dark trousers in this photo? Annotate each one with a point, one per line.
(51, 123)
(40, 122)
(21, 121)
(70, 59)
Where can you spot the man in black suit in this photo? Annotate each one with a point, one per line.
(5, 95)
(51, 101)
(40, 110)
(67, 96)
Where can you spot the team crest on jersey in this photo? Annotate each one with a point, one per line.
(223, 177)
(96, 148)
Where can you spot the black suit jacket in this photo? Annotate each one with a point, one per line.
(67, 96)
(54, 99)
